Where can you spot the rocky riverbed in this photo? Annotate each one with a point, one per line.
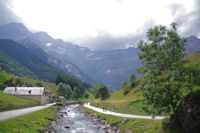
(72, 119)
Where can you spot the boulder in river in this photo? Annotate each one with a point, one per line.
(67, 127)
(114, 124)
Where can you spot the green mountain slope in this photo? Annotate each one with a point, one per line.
(11, 66)
(194, 60)
(31, 61)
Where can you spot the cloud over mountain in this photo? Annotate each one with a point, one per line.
(187, 20)
(6, 13)
(106, 41)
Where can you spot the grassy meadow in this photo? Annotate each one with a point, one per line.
(28, 123)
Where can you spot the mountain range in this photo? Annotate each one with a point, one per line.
(108, 67)
(22, 36)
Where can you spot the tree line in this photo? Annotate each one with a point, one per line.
(71, 88)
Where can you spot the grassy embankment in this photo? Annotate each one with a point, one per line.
(137, 125)
(132, 102)
(28, 123)
(9, 100)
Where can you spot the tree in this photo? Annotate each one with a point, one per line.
(28, 83)
(124, 83)
(162, 61)
(64, 90)
(39, 84)
(72, 82)
(86, 95)
(95, 88)
(17, 82)
(68, 92)
(76, 93)
(100, 91)
(132, 77)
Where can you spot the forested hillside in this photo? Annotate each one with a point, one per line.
(31, 64)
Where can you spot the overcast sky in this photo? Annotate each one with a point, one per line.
(102, 24)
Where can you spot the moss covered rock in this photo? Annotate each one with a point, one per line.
(188, 112)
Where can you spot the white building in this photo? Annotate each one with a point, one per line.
(38, 94)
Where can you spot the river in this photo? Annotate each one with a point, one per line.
(76, 122)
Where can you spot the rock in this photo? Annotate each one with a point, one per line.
(67, 127)
(48, 118)
(51, 132)
(188, 112)
(103, 122)
(114, 124)
(108, 131)
(40, 130)
(103, 128)
(114, 128)
(127, 131)
(118, 131)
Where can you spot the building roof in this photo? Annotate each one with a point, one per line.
(24, 90)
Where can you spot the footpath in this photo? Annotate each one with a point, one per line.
(87, 105)
(14, 113)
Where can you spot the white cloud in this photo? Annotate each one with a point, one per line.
(78, 19)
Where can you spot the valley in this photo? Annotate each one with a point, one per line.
(115, 81)
(108, 67)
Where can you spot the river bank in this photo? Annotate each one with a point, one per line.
(73, 119)
(129, 125)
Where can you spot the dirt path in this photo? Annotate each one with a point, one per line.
(122, 115)
(14, 113)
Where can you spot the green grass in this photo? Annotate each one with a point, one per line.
(193, 60)
(27, 123)
(91, 97)
(118, 102)
(9, 100)
(3, 78)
